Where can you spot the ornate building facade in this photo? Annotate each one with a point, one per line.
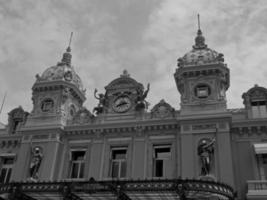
(61, 150)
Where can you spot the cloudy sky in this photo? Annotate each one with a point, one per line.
(143, 36)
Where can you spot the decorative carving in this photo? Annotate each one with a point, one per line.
(83, 116)
(162, 110)
(205, 152)
(36, 160)
(65, 94)
(47, 105)
(204, 126)
(254, 94)
(16, 118)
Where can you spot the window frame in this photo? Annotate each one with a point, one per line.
(7, 167)
(256, 110)
(119, 161)
(164, 160)
(79, 162)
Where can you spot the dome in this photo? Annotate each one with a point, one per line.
(200, 54)
(125, 81)
(62, 71)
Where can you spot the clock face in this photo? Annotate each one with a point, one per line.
(122, 104)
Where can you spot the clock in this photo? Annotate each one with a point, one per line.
(122, 104)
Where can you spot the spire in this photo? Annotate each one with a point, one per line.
(199, 40)
(66, 59)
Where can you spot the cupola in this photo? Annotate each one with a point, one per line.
(202, 78)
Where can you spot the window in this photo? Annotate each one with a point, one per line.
(77, 164)
(162, 155)
(118, 162)
(47, 105)
(202, 91)
(259, 109)
(6, 169)
(262, 164)
(15, 126)
(261, 155)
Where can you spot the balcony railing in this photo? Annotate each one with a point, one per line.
(257, 188)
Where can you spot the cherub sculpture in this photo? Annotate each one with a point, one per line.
(140, 100)
(100, 107)
(36, 160)
(205, 152)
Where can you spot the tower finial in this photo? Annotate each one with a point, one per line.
(69, 49)
(71, 34)
(199, 40)
(198, 20)
(67, 55)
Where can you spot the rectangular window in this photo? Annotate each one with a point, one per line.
(202, 92)
(118, 163)
(77, 164)
(6, 169)
(162, 155)
(259, 109)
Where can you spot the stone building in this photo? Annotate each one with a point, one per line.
(120, 149)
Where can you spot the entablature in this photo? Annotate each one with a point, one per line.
(157, 125)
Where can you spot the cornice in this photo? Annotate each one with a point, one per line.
(121, 128)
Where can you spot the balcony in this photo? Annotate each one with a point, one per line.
(257, 189)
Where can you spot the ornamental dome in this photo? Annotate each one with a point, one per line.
(125, 81)
(200, 54)
(62, 71)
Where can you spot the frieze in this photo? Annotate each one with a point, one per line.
(203, 126)
(251, 130)
(40, 137)
(128, 129)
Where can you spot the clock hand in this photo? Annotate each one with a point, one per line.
(121, 104)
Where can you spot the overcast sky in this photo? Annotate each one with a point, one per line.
(143, 36)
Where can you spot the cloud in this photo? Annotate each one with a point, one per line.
(145, 37)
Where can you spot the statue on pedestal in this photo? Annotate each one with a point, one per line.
(36, 160)
(205, 152)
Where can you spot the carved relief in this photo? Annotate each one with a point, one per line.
(162, 110)
(255, 93)
(16, 118)
(83, 116)
(123, 95)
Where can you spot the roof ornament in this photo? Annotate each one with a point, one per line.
(125, 73)
(199, 40)
(66, 59)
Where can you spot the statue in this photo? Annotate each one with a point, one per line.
(205, 152)
(140, 100)
(100, 107)
(36, 160)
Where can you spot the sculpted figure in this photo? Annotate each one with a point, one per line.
(140, 100)
(101, 103)
(205, 152)
(36, 160)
